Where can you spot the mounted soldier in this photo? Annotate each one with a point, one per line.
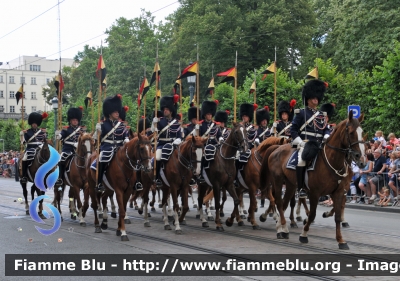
(309, 125)
(190, 129)
(69, 136)
(113, 135)
(222, 118)
(263, 132)
(286, 114)
(246, 115)
(169, 132)
(33, 138)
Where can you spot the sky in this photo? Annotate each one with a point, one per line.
(31, 27)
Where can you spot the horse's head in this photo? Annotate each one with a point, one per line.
(238, 137)
(85, 144)
(44, 152)
(194, 146)
(140, 148)
(352, 142)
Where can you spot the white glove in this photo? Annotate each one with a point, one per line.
(197, 127)
(57, 132)
(126, 140)
(75, 144)
(326, 136)
(221, 139)
(299, 142)
(177, 142)
(257, 141)
(98, 127)
(155, 120)
(275, 124)
(21, 133)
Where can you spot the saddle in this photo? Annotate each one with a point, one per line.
(209, 152)
(244, 157)
(166, 151)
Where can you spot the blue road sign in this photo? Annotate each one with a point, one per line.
(356, 110)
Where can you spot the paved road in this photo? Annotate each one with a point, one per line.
(370, 232)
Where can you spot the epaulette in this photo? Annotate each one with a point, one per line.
(217, 123)
(65, 127)
(188, 124)
(201, 122)
(332, 125)
(297, 111)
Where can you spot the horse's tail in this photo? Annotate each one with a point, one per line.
(208, 197)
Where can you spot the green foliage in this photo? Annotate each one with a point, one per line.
(9, 132)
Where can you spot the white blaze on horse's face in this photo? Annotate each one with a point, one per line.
(362, 146)
(244, 139)
(148, 150)
(87, 144)
(199, 154)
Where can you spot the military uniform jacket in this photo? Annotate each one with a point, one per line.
(213, 135)
(39, 139)
(170, 134)
(315, 130)
(189, 128)
(280, 127)
(265, 135)
(114, 139)
(225, 132)
(68, 145)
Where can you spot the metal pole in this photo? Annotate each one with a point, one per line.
(55, 124)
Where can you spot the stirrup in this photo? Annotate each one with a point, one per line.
(100, 188)
(201, 179)
(302, 193)
(138, 186)
(158, 183)
(23, 180)
(59, 181)
(192, 182)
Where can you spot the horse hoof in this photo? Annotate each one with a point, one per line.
(27, 212)
(62, 219)
(299, 218)
(127, 221)
(153, 209)
(100, 216)
(178, 231)
(243, 217)
(140, 211)
(256, 210)
(195, 206)
(167, 227)
(345, 224)
(261, 206)
(220, 228)
(42, 216)
(147, 224)
(256, 227)
(304, 221)
(197, 216)
(124, 238)
(210, 218)
(131, 205)
(73, 217)
(245, 212)
(151, 204)
(324, 215)
(97, 229)
(136, 207)
(114, 215)
(183, 223)
(303, 239)
(248, 219)
(270, 215)
(285, 235)
(241, 223)
(228, 223)
(293, 225)
(221, 214)
(118, 232)
(159, 205)
(212, 208)
(204, 224)
(104, 226)
(149, 215)
(83, 224)
(262, 218)
(343, 246)
(279, 235)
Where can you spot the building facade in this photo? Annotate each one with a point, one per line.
(35, 73)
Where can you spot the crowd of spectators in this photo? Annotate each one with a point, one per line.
(7, 163)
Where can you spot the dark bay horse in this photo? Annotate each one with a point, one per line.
(333, 166)
(184, 161)
(222, 173)
(42, 156)
(119, 178)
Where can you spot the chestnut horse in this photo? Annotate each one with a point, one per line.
(222, 173)
(119, 178)
(184, 161)
(332, 166)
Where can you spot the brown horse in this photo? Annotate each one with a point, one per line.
(332, 167)
(119, 177)
(221, 174)
(42, 156)
(76, 176)
(184, 161)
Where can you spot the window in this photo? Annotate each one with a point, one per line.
(33, 95)
(24, 96)
(1, 79)
(11, 79)
(20, 109)
(22, 80)
(34, 67)
(47, 80)
(33, 80)
(12, 94)
(12, 108)
(1, 108)
(1, 94)
(33, 108)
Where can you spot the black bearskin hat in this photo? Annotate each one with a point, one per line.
(262, 114)
(122, 113)
(192, 113)
(208, 107)
(246, 109)
(112, 104)
(74, 113)
(314, 89)
(168, 102)
(221, 116)
(36, 118)
(329, 108)
(141, 123)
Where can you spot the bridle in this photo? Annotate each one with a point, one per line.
(188, 163)
(81, 157)
(238, 142)
(139, 163)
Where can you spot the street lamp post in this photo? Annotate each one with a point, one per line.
(54, 103)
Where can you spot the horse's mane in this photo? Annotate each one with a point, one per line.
(270, 142)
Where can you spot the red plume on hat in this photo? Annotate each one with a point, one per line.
(255, 106)
(217, 102)
(120, 96)
(81, 108)
(126, 108)
(266, 108)
(176, 98)
(292, 103)
(326, 84)
(334, 105)
(45, 115)
(228, 111)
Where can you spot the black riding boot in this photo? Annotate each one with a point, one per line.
(61, 170)
(200, 177)
(138, 184)
(158, 176)
(102, 168)
(238, 166)
(24, 178)
(300, 173)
